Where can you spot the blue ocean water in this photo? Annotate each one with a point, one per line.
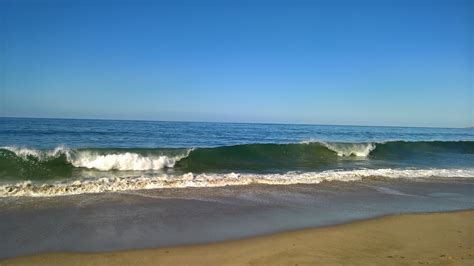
(115, 180)
(75, 133)
(69, 156)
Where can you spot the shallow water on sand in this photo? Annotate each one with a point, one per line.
(154, 218)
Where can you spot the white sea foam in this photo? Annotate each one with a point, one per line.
(343, 149)
(39, 154)
(31, 189)
(123, 161)
(104, 162)
(351, 149)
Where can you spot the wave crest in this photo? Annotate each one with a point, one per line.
(41, 155)
(23, 163)
(124, 161)
(351, 149)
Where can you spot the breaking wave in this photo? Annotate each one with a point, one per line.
(61, 162)
(124, 161)
(351, 149)
(100, 159)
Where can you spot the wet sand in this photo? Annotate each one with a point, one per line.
(436, 238)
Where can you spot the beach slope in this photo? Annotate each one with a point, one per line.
(436, 238)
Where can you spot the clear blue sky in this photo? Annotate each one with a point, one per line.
(382, 62)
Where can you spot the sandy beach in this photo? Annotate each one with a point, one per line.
(436, 238)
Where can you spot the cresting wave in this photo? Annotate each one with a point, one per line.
(124, 161)
(351, 149)
(116, 184)
(24, 163)
(121, 159)
(100, 159)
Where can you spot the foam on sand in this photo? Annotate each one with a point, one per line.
(106, 184)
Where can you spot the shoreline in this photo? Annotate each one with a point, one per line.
(424, 238)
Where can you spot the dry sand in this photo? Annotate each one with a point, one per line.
(438, 238)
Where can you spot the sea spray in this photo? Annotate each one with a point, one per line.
(351, 149)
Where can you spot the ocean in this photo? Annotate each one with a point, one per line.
(50, 157)
(102, 185)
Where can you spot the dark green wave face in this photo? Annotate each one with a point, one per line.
(403, 148)
(13, 166)
(27, 164)
(259, 157)
(426, 153)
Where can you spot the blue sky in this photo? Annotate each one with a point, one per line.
(406, 63)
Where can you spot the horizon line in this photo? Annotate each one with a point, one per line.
(229, 122)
